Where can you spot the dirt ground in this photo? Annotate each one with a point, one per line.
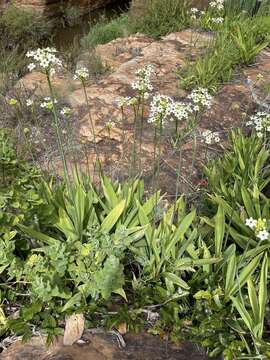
(105, 347)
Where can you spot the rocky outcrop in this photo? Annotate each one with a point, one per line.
(53, 7)
(123, 57)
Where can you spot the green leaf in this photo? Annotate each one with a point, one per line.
(176, 280)
(74, 300)
(263, 292)
(231, 271)
(248, 203)
(38, 235)
(112, 218)
(253, 300)
(243, 313)
(109, 192)
(121, 292)
(244, 275)
(110, 278)
(181, 231)
(219, 230)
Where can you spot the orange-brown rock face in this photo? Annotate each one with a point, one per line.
(53, 7)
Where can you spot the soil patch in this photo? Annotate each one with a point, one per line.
(105, 347)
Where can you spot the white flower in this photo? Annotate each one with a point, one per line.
(218, 20)
(143, 83)
(261, 123)
(217, 4)
(31, 67)
(194, 10)
(132, 101)
(45, 58)
(161, 109)
(29, 102)
(81, 74)
(110, 124)
(122, 101)
(181, 110)
(48, 103)
(210, 137)
(263, 235)
(251, 223)
(66, 111)
(201, 97)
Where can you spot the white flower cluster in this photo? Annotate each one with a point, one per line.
(195, 13)
(181, 110)
(48, 103)
(209, 137)
(126, 101)
(259, 227)
(161, 109)
(194, 10)
(143, 82)
(45, 58)
(261, 122)
(110, 124)
(200, 97)
(66, 111)
(217, 20)
(122, 101)
(217, 4)
(81, 74)
(29, 102)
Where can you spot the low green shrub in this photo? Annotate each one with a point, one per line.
(243, 165)
(71, 15)
(20, 30)
(162, 17)
(158, 19)
(104, 31)
(214, 67)
(234, 7)
(75, 248)
(23, 28)
(238, 41)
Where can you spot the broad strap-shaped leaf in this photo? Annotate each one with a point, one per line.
(231, 270)
(112, 218)
(253, 299)
(109, 192)
(180, 231)
(248, 203)
(243, 276)
(243, 313)
(263, 292)
(219, 230)
(176, 280)
(38, 235)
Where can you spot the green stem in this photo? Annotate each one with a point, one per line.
(141, 134)
(56, 123)
(194, 153)
(92, 122)
(132, 169)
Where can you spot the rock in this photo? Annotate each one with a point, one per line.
(54, 7)
(104, 347)
(74, 328)
(120, 51)
(115, 147)
(36, 82)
